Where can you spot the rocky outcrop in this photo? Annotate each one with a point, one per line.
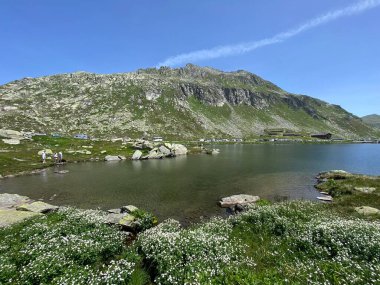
(37, 207)
(241, 199)
(161, 151)
(15, 208)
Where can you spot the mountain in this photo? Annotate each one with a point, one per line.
(188, 102)
(372, 120)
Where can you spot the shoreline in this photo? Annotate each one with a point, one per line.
(193, 146)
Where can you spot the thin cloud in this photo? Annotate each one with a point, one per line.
(236, 49)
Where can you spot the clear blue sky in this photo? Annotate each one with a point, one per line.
(337, 61)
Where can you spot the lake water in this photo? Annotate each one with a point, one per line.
(186, 188)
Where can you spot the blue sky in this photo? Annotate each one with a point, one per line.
(337, 61)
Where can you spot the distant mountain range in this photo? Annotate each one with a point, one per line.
(372, 120)
(188, 102)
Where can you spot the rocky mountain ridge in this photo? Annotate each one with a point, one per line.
(372, 120)
(186, 102)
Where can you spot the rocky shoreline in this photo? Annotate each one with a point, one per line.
(344, 186)
(15, 208)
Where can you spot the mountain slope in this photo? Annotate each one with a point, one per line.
(372, 120)
(186, 102)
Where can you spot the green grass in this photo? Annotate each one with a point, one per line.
(283, 243)
(68, 247)
(24, 157)
(346, 198)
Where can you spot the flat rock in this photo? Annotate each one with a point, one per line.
(325, 198)
(368, 190)
(11, 141)
(129, 209)
(120, 219)
(11, 134)
(241, 199)
(114, 211)
(37, 207)
(12, 200)
(10, 217)
(112, 158)
(367, 211)
(126, 220)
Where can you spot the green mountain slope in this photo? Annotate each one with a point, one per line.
(372, 120)
(186, 102)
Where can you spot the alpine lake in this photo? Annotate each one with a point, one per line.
(188, 188)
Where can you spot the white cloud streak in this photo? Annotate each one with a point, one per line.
(236, 49)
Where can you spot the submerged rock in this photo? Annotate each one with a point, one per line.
(179, 149)
(241, 199)
(61, 171)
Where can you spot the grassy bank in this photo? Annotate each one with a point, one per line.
(284, 243)
(24, 157)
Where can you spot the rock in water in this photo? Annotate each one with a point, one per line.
(12, 200)
(112, 158)
(129, 209)
(241, 199)
(155, 154)
(164, 150)
(137, 155)
(179, 149)
(37, 207)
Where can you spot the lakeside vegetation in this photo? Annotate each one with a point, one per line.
(24, 158)
(284, 243)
